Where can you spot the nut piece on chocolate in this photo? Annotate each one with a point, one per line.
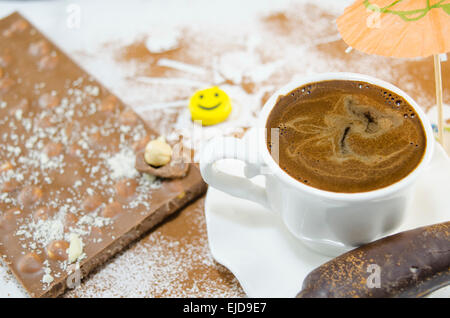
(158, 152)
(408, 264)
(174, 169)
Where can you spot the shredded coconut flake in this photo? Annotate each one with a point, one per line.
(122, 164)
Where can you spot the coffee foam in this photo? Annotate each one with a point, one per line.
(347, 136)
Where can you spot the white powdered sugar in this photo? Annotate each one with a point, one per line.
(161, 266)
(163, 40)
(122, 164)
(42, 231)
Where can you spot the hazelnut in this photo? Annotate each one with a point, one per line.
(92, 203)
(22, 106)
(5, 166)
(30, 263)
(48, 100)
(128, 117)
(19, 25)
(125, 189)
(112, 209)
(109, 103)
(39, 48)
(42, 213)
(157, 152)
(57, 250)
(5, 84)
(53, 149)
(70, 220)
(9, 186)
(8, 219)
(5, 59)
(48, 62)
(30, 195)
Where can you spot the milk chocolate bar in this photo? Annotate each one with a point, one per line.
(70, 196)
(408, 264)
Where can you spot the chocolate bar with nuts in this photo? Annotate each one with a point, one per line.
(70, 196)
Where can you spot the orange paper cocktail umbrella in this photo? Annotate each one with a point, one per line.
(402, 28)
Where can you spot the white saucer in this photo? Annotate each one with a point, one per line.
(268, 261)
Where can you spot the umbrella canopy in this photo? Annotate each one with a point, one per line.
(402, 28)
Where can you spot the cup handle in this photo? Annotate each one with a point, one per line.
(232, 148)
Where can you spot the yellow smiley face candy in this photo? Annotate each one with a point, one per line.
(211, 106)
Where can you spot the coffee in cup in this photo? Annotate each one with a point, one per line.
(346, 136)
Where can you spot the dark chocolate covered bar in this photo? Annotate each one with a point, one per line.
(408, 264)
(70, 196)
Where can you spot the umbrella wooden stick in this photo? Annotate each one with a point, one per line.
(438, 81)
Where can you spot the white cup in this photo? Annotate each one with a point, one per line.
(328, 222)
